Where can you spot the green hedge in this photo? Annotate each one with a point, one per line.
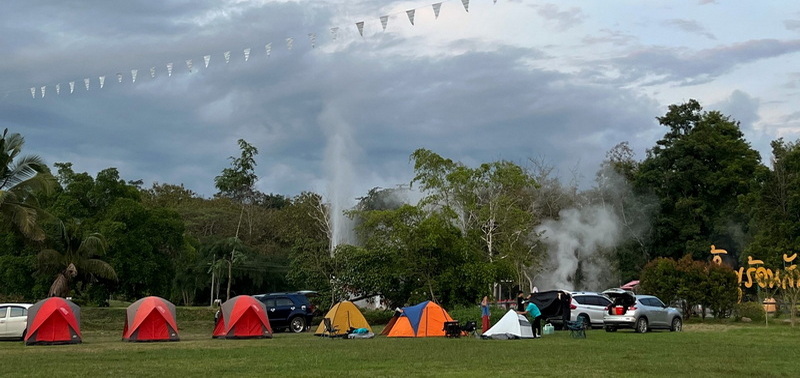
(752, 310)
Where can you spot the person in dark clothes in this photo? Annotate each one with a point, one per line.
(520, 301)
(532, 310)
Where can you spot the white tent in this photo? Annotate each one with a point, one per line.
(510, 326)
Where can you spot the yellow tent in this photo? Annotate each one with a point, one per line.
(343, 316)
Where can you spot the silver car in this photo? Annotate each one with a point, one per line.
(640, 312)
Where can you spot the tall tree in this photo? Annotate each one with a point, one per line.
(21, 177)
(699, 171)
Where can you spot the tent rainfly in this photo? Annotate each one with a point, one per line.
(510, 326)
(150, 319)
(344, 316)
(242, 317)
(422, 320)
(53, 321)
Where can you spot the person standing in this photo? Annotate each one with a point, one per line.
(532, 310)
(485, 314)
(520, 301)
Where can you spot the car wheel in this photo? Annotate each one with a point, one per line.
(677, 325)
(611, 329)
(586, 322)
(641, 325)
(297, 324)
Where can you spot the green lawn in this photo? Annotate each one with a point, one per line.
(701, 350)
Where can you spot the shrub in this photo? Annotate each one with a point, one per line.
(752, 310)
(377, 317)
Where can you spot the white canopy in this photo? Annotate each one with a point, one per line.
(510, 326)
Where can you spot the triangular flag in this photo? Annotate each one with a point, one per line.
(206, 59)
(119, 77)
(289, 43)
(43, 88)
(495, 1)
(466, 4)
(133, 75)
(152, 72)
(313, 38)
(58, 89)
(86, 82)
(227, 55)
(33, 92)
(360, 26)
(410, 14)
(189, 64)
(71, 87)
(169, 69)
(335, 32)
(102, 81)
(268, 48)
(384, 21)
(436, 8)
(246, 54)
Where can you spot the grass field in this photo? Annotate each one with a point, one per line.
(721, 349)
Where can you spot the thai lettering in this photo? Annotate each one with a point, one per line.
(764, 277)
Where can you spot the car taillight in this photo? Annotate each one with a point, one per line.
(632, 308)
(572, 306)
(606, 308)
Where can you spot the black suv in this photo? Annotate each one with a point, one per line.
(292, 311)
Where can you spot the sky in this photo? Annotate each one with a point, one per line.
(559, 82)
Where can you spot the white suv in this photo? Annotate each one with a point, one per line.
(13, 320)
(590, 306)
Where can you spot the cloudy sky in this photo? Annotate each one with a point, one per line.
(559, 81)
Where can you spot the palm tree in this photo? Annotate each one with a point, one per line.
(19, 181)
(77, 257)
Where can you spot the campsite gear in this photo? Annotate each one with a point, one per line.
(53, 320)
(511, 326)
(425, 319)
(342, 317)
(150, 319)
(548, 329)
(577, 328)
(452, 329)
(242, 317)
(554, 305)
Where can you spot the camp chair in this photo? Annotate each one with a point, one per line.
(452, 329)
(577, 328)
(469, 328)
(330, 329)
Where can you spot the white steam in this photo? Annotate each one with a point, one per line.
(341, 151)
(575, 245)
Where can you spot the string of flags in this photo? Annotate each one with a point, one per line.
(246, 53)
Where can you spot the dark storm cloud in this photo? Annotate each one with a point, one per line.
(658, 65)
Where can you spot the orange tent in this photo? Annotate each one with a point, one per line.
(423, 320)
(242, 317)
(53, 321)
(150, 319)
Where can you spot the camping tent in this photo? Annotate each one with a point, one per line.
(54, 321)
(423, 320)
(242, 317)
(510, 326)
(553, 305)
(150, 319)
(344, 316)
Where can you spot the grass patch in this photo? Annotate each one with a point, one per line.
(707, 349)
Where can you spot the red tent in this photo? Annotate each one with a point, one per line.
(242, 317)
(150, 319)
(53, 321)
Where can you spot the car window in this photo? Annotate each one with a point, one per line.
(657, 302)
(269, 303)
(582, 299)
(649, 302)
(18, 311)
(602, 301)
(283, 302)
(3, 311)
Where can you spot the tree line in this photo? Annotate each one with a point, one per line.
(475, 232)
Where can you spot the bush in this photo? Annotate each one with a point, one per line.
(473, 313)
(752, 310)
(377, 317)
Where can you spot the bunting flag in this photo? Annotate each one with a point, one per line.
(206, 59)
(58, 89)
(360, 26)
(289, 43)
(169, 69)
(189, 65)
(33, 92)
(102, 81)
(313, 38)
(436, 8)
(246, 54)
(495, 1)
(86, 83)
(268, 48)
(466, 5)
(119, 77)
(152, 72)
(43, 88)
(227, 55)
(335, 32)
(133, 75)
(384, 22)
(410, 14)
(71, 87)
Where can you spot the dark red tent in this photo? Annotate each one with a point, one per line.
(150, 319)
(242, 317)
(53, 321)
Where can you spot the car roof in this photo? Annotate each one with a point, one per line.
(300, 292)
(586, 293)
(26, 305)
